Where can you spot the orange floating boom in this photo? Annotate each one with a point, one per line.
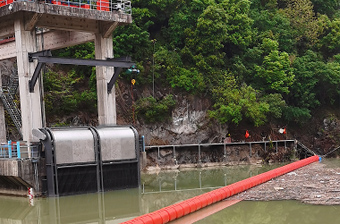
(180, 209)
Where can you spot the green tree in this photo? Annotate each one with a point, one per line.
(307, 27)
(169, 64)
(276, 105)
(270, 23)
(153, 111)
(233, 102)
(303, 92)
(317, 82)
(184, 18)
(275, 74)
(330, 43)
(328, 7)
(132, 41)
(211, 31)
(239, 22)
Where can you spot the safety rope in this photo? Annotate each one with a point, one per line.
(330, 152)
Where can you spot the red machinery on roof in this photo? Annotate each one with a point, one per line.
(102, 5)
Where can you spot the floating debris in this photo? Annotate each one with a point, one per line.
(278, 188)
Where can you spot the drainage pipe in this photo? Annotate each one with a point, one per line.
(183, 208)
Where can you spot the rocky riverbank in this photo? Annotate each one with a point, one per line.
(313, 184)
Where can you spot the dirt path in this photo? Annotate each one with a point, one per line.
(313, 184)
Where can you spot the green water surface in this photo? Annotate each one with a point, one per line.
(161, 189)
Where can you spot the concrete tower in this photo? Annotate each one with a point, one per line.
(65, 23)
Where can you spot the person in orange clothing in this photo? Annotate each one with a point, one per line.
(247, 134)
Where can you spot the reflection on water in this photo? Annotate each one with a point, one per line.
(331, 162)
(111, 207)
(278, 212)
(157, 191)
(169, 187)
(198, 178)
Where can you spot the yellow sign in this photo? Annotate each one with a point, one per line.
(133, 81)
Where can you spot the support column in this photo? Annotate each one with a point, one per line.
(29, 102)
(106, 102)
(2, 119)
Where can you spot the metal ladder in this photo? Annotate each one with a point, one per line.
(13, 83)
(7, 96)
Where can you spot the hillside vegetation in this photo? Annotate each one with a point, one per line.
(257, 61)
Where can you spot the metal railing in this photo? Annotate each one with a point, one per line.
(18, 150)
(101, 5)
(5, 2)
(174, 148)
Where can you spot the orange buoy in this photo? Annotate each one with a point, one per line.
(180, 209)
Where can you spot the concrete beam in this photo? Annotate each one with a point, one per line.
(107, 29)
(67, 23)
(53, 40)
(31, 21)
(58, 39)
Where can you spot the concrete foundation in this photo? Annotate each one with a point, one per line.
(16, 176)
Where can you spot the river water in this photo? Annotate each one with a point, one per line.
(162, 189)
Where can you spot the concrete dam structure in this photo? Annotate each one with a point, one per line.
(55, 162)
(74, 161)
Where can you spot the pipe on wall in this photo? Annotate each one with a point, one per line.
(183, 208)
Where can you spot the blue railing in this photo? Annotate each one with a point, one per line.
(18, 150)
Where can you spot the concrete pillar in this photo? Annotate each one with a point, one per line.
(30, 103)
(2, 119)
(106, 102)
